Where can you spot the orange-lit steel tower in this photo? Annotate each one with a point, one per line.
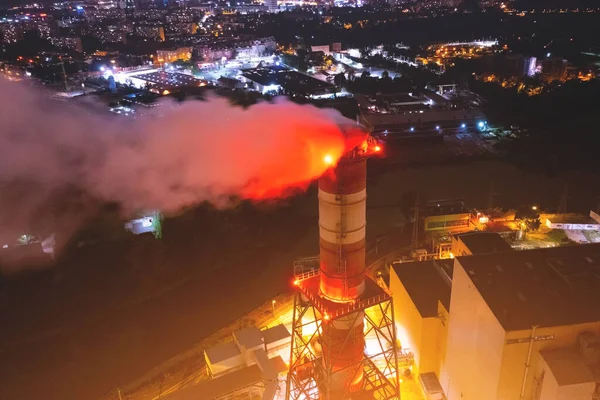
(331, 314)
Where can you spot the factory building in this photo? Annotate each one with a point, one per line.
(252, 366)
(524, 325)
(446, 215)
(421, 293)
(502, 325)
(574, 222)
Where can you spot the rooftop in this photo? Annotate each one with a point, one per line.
(287, 79)
(226, 384)
(546, 287)
(571, 219)
(249, 337)
(275, 334)
(427, 283)
(222, 352)
(568, 367)
(484, 242)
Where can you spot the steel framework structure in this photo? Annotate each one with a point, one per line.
(309, 371)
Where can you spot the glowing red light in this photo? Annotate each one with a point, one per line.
(326, 317)
(296, 282)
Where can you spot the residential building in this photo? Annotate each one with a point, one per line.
(181, 53)
(11, 32)
(271, 5)
(153, 31)
(71, 43)
(554, 68)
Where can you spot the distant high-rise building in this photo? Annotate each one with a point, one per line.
(108, 4)
(11, 32)
(518, 65)
(554, 68)
(130, 6)
(271, 5)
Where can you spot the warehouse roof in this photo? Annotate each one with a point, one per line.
(545, 287)
(484, 242)
(426, 282)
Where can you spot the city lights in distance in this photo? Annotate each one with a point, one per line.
(437, 127)
(463, 126)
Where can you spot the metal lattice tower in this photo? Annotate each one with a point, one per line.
(343, 333)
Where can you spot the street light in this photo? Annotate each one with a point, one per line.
(534, 208)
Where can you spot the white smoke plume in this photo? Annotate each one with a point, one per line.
(192, 152)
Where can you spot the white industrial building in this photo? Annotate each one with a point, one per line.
(573, 222)
(252, 365)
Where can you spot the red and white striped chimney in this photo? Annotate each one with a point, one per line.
(342, 226)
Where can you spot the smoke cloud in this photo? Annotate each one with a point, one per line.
(185, 154)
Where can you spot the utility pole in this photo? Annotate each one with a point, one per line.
(64, 72)
(562, 206)
(415, 238)
(491, 195)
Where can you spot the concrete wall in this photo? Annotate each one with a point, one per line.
(582, 391)
(409, 323)
(471, 370)
(425, 337)
(546, 385)
(433, 344)
(548, 388)
(514, 357)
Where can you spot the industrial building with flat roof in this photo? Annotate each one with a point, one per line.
(502, 324)
(421, 292)
(446, 215)
(509, 310)
(472, 243)
(277, 78)
(251, 365)
(415, 114)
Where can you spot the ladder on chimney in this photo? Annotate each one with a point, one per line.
(342, 229)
